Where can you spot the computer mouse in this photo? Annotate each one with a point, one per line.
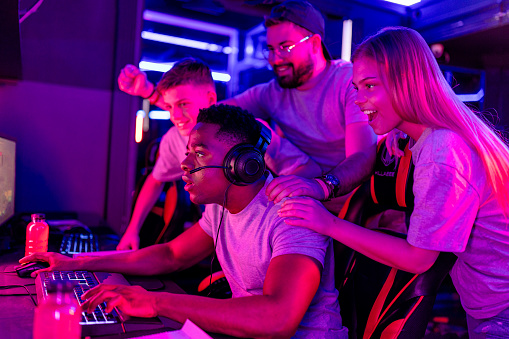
(24, 271)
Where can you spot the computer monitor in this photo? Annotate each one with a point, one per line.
(7, 177)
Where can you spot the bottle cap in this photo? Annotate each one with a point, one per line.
(38, 216)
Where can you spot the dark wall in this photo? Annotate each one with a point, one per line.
(10, 59)
(70, 43)
(497, 87)
(72, 125)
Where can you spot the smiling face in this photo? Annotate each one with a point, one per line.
(297, 68)
(184, 103)
(373, 98)
(205, 149)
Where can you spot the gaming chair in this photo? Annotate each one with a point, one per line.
(378, 301)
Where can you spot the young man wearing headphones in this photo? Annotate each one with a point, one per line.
(281, 277)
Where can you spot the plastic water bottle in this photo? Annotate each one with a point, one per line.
(37, 235)
(58, 316)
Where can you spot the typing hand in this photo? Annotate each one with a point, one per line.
(57, 262)
(130, 300)
(129, 241)
(133, 81)
(309, 213)
(392, 142)
(293, 186)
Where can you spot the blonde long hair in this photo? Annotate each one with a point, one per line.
(420, 94)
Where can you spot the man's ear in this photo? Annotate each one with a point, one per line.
(316, 40)
(212, 97)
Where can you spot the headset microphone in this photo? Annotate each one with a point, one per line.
(203, 167)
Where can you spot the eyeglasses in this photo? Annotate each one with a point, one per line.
(283, 51)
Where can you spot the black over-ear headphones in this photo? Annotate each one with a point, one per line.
(244, 163)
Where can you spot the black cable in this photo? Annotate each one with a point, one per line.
(17, 286)
(8, 272)
(217, 237)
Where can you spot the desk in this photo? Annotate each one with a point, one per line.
(17, 312)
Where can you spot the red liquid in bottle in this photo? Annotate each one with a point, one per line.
(37, 235)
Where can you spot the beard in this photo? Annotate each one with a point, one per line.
(299, 75)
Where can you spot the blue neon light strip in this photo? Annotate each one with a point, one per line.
(404, 2)
(472, 97)
(159, 115)
(164, 67)
(168, 39)
(164, 18)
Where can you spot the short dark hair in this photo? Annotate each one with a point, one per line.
(236, 125)
(184, 72)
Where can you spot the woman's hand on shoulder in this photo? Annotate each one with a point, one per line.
(307, 212)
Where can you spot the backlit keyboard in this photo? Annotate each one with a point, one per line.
(73, 243)
(83, 281)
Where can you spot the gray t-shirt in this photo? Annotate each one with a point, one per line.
(314, 120)
(456, 211)
(172, 152)
(249, 240)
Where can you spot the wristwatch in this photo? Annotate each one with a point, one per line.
(332, 183)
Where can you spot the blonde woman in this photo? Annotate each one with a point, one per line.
(460, 182)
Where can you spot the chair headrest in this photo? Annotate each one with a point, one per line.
(393, 178)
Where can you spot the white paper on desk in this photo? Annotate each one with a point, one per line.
(188, 331)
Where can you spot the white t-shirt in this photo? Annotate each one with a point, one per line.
(250, 239)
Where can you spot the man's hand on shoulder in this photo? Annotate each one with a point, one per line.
(293, 186)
